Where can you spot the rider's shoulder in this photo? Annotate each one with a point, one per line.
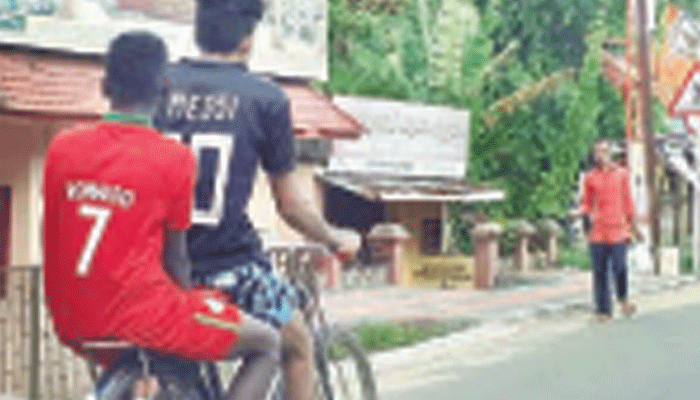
(267, 88)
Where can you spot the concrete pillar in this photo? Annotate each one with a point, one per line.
(330, 266)
(524, 231)
(486, 258)
(552, 230)
(386, 241)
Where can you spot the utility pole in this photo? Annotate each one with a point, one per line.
(647, 128)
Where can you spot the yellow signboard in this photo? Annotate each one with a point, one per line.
(443, 271)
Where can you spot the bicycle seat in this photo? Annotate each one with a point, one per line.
(109, 352)
(107, 345)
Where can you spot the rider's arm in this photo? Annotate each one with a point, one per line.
(293, 203)
(175, 258)
(299, 211)
(178, 218)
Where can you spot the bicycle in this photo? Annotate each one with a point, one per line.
(343, 369)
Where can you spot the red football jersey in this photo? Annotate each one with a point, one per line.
(109, 190)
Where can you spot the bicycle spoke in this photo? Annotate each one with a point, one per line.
(343, 381)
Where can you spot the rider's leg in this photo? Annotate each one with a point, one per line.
(257, 290)
(203, 325)
(260, 346)
(298, 359)
(145, 388)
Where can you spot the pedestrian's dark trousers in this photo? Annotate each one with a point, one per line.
(607, 258)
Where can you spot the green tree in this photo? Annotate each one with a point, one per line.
(486, 54)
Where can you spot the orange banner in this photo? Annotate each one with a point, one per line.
(670, 68)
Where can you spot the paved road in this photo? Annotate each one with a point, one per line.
(655, 356)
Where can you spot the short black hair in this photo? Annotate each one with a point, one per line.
(135, 68)
(221, 25)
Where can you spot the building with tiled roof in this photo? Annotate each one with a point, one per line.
(51, 56)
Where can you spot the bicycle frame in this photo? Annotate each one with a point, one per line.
(205, 376)
(138, 363)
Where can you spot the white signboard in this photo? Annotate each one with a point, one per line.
(688, 99)
(684, 36)
(692, 123)
(641, 260)
(290, 40)
(406, 139)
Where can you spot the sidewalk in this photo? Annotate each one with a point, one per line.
(540, 293)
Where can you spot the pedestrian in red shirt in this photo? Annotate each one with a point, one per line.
(607, 204)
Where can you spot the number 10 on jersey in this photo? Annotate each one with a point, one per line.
(223, 145)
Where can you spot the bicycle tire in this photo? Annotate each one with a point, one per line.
(356, 354)
(356, 357)
(118, 383)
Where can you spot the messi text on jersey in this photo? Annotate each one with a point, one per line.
(198, 107)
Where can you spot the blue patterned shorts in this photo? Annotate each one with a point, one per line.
(258, 291)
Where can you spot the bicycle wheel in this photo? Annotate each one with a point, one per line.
(118, 384)
(344, 369)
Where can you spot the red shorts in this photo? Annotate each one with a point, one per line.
(196, 325)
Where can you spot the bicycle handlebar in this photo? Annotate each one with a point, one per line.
(343, 257)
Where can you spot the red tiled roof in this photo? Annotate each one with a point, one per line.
(52, 84)
(42, 83)
(315, 114)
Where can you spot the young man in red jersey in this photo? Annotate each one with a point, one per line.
(118, 197)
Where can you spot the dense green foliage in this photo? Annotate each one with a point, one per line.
(384, 48)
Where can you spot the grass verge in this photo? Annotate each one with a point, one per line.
(575, 257)
(383, 336)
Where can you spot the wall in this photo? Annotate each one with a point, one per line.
(419, 269)
(23, 141)
(22, 144)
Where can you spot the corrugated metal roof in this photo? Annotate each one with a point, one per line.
(395, 188)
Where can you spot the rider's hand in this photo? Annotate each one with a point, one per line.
(346, 243)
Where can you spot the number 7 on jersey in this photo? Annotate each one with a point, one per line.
(100, 216)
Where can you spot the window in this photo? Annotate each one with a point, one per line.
(431, 240)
